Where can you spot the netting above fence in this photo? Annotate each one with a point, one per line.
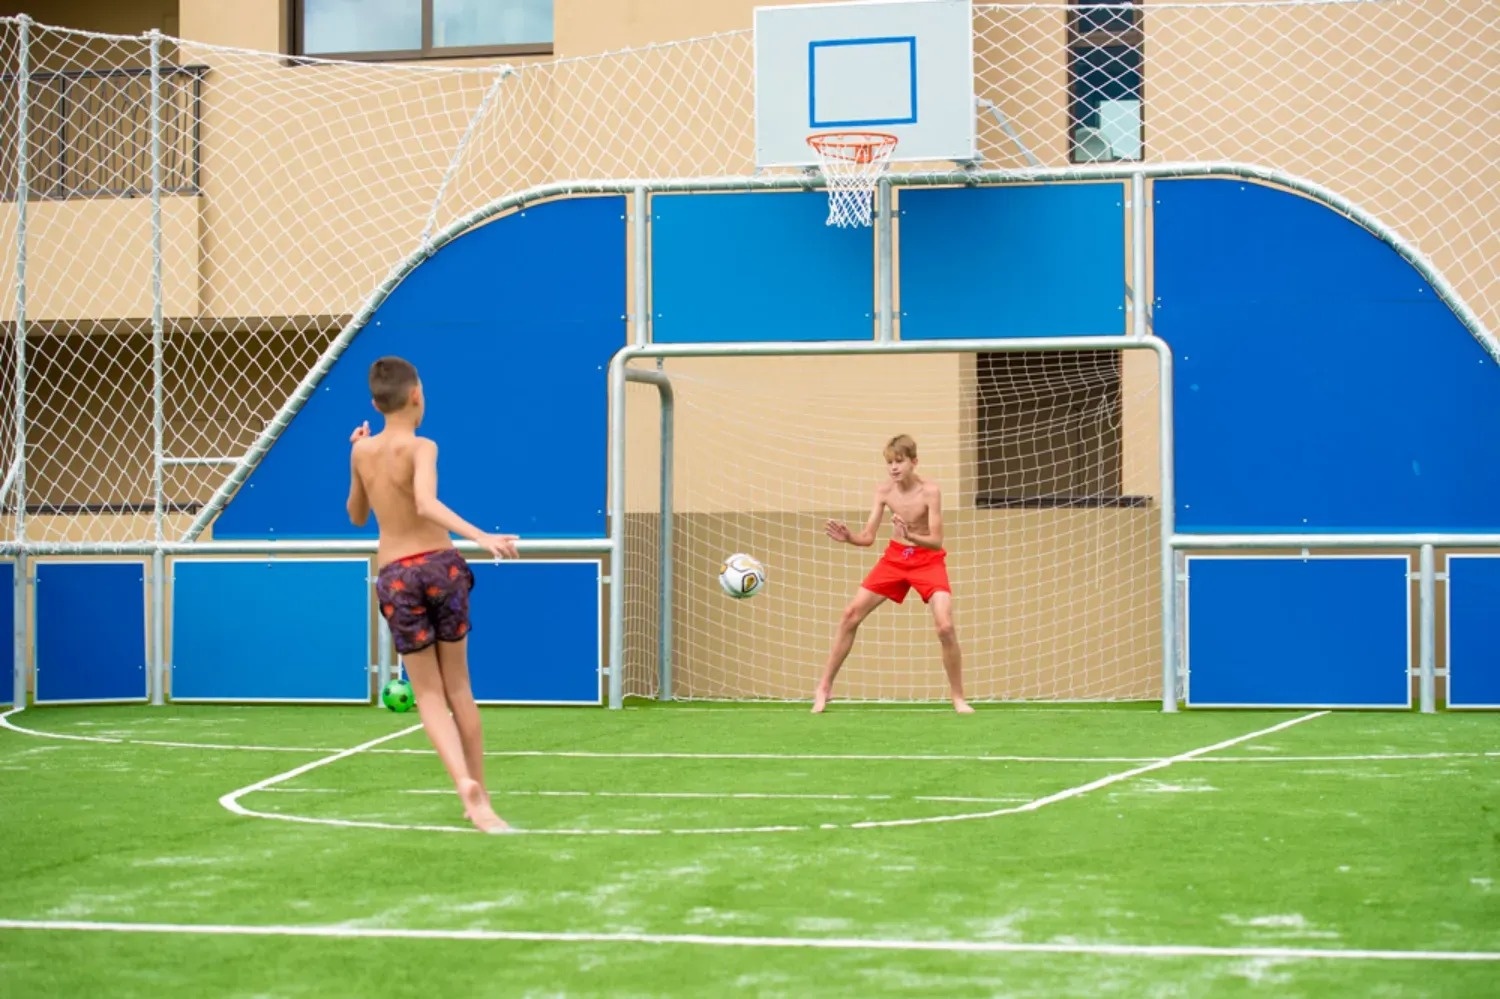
(292, 189)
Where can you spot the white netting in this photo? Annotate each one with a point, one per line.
(292, 190)
(852, 163)
(1048, 464)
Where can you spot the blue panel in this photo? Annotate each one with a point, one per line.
(271, 630)
(512, 327)
(90, 631)
(7, 626)
(1473, 637)
(1047, 260)
(1292, 632)
(1320, 385)
(737, 267)
(537, 632)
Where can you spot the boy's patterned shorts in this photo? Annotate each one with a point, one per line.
(425, 598)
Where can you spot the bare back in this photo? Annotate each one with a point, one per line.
(386, 465)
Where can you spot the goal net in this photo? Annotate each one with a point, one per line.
(1049, 468)
(293, 191)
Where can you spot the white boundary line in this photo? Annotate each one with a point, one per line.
(788, 943)
(231, 800)
(690, 795)
(5, 722)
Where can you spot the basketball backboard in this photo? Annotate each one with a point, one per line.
(905, 67)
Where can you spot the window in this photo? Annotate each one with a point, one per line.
(1049, 429)
(1105, 42)
(420, 29)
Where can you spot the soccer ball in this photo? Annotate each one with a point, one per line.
(742, 576)
(397, 695)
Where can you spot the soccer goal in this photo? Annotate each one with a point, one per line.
(1054, 457)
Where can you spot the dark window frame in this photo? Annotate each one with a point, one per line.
(294, 11)
(1091, 27)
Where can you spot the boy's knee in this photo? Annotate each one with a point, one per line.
(852, 616)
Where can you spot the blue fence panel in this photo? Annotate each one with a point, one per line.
(537, 632)
(1321, 631)
(1473, 629)
(1044, 260)
(271, 629)
(7, 626)
(512, 327)
(90, 631)
(1298, 337)
(739, 267)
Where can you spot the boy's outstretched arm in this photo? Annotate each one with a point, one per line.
(429, 507)
(358, 503)
(866, 537)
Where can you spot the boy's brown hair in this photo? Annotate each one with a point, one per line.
(901, 446)
(391, 382)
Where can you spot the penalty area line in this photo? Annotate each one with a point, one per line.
(337, 932)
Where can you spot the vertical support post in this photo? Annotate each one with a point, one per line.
(1427, 629)
(617, 528)
(664, 542)
(885, 254)
(1167, 527)
(158, 416)
(18, 414)
(1138, 301)
(383, 658)
(640, 250)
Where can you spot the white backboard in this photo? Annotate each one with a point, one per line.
(905, 67)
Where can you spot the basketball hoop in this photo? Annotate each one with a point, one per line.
(851, 163)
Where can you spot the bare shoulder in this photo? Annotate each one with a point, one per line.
(930, 488)
(883, 489)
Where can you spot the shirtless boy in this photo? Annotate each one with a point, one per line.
(423, 582)
(915, 559)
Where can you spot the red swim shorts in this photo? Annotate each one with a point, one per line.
(906, 567)
(425, 598)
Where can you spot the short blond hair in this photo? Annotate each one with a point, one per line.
(900, 446)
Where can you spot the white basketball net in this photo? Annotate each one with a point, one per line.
(851, 163)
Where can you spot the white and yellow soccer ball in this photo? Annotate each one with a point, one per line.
(742, 576)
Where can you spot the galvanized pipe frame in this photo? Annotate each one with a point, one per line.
(20, 548)
(620, 373)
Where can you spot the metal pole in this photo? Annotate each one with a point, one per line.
(1138, 302)
(885, 255)
(23, 169)
(158, 416)
(641, 248)
(1168, 529)
(664, 551)
(617, 528)
(1427, 631)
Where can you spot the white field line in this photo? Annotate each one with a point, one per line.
(337, 932)
(231, 800)
(5, 722)
(695, 795)
(1093, 785)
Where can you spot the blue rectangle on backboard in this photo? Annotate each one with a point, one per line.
(1294, 631)
(747, 267)
(1473, 633)
(862, 82)
(1015, 261)
(90, 631)
(268, 629)
(537, 633)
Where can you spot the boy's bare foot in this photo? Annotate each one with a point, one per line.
(962, 706)
(820, 701)
(477, 807)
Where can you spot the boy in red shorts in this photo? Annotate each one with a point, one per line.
(915, 559)
(423, 582)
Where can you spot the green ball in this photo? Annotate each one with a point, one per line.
(397, 695)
